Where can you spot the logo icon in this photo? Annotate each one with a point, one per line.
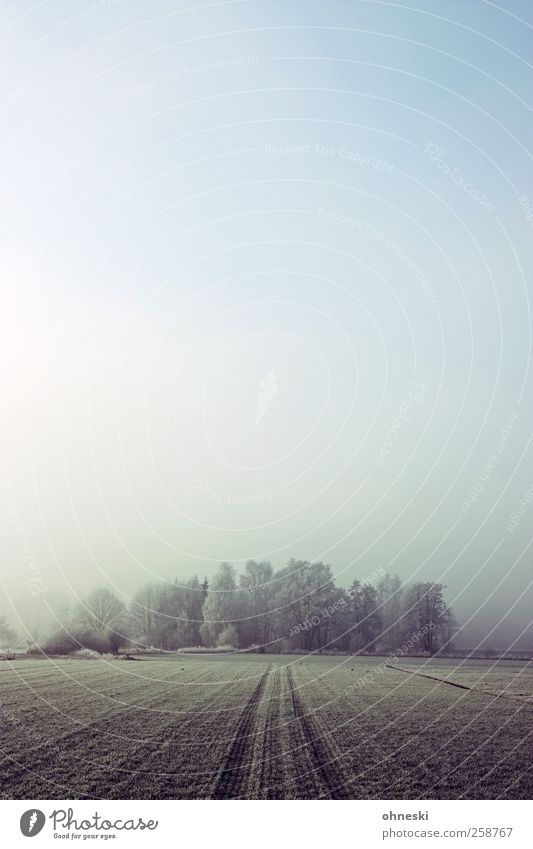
(268, 389)
(32, 822)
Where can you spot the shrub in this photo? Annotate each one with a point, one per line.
(60, 643)
(92, 640)
(65, 642)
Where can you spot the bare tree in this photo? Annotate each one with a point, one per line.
(366, 617)
(143, 612)
(305, 601)
(257, 598)
(101, 609)
(389, 597)
(105, 615)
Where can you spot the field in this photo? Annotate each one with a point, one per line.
(265, 727)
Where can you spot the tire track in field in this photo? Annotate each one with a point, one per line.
(271, 783)
(319, 747)
(231, 779)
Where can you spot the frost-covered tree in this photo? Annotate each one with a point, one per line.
(7, 634)
(222, 606)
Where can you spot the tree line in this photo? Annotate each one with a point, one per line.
(296, 608)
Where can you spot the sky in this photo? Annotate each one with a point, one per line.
(266, 274)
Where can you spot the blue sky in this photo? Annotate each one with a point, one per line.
(332, 198)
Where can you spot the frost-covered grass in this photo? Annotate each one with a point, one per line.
(261, 726)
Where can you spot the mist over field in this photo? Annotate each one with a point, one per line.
(266, 478)
(266, 275)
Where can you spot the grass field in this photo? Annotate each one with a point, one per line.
(265, 727)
